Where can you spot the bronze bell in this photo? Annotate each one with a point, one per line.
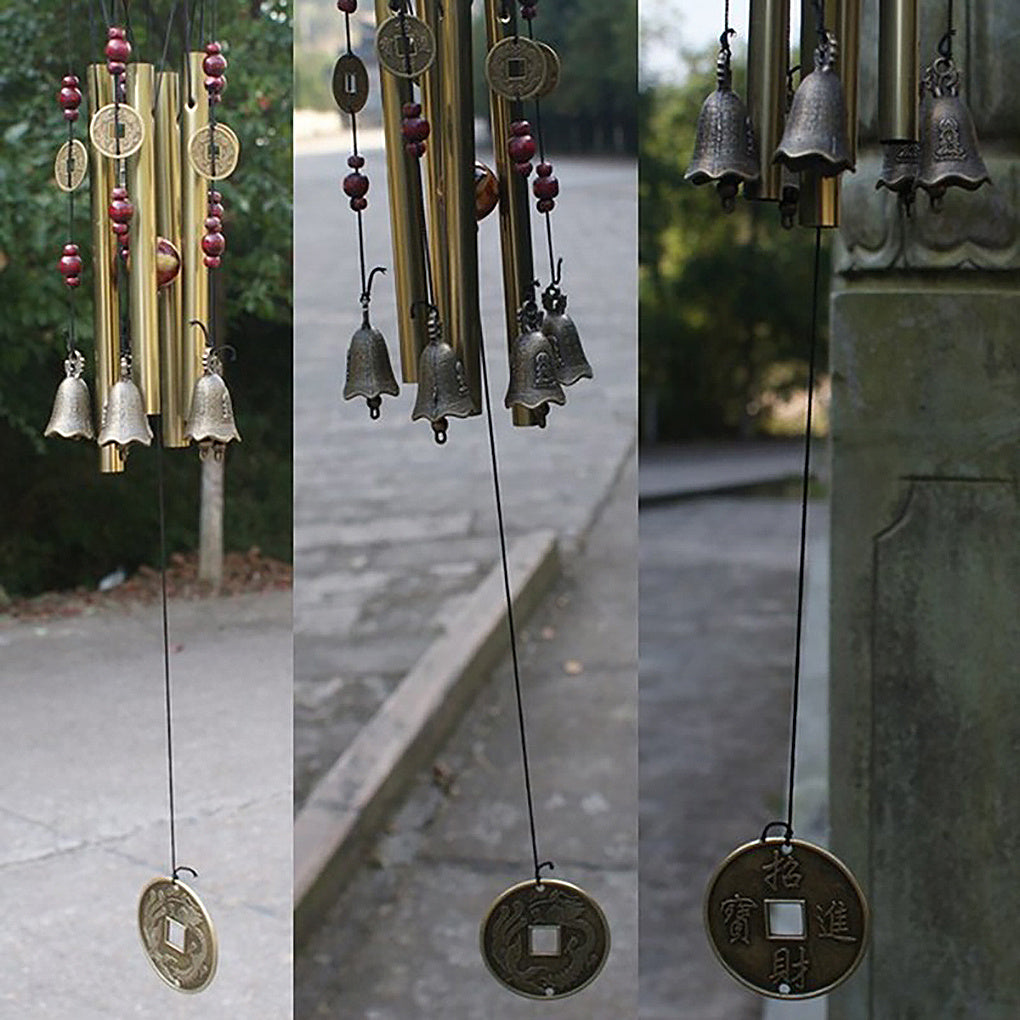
(901, 162)
(949, 145)
(533, 377)
(72, 409)
(815, 139)
(211, 418)
(369, 373)
(124, 420)
(725, 149)
(571, 364)
(442, 388)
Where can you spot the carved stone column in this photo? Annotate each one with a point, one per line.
(925, 604)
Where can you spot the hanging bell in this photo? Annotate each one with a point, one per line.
(442, 388)
(725, 149)
(533, 377)
(369, 373)
(72, 409)
(211, 419)
(949, 145)
(571, 364)
(124, 420)
(901, 162)
(815, 139)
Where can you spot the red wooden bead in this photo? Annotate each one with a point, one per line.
(358, 204)
(524, 169)
(415, 129)
(216, 85)
(71, 80)
(212, 261)
(545, 205)
(121, 229)
(71, 115)
(416, 149)
(522, 148)
(520, 128)
(411, 109)
(121, 210)
(70, 265)
(356, 161)
(213, 224)
(215, 196)
(213, 47)
(214, 64)
(216, 209)
(528, 12)
(355, 185)
(115, 67)
(545, 187)
(71, 249)
(214, 244)
(544, 169)
(347, 6)
(116, 32)
(118, 49)
(69, 97)
(72, 281)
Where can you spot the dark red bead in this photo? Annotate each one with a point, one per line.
(520, 128)
(118, 192)
(522, 148)
(528, 12)
(71, 249)
(70, 80)
(356, 161)
(415, 129)
(72, 281)
(216, 209)
(358, 204)
(213, 224)
(212, 261)
(411, 109)
(524, 169)
(70, 265)
(121, 229)
(116, 32)
(215, 196)
(214, 65)
(71, 115)
(545, 187)
(545, 205)
(118, 49)
(121, 210)
(347, 6)
(215, 85)
(115, 67)
(355, 185)
(69, 97)
(416, 149)
(213, 47)
(544, 169)
(214, 244)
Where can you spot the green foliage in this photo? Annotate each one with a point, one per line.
(61, 523)
(725, 300)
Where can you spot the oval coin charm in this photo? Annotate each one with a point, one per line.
(350, 83)
(405, 57)
(545, 940)
(552, 70)
(177, 934)
(227, 152)
(103, 130)
(516, 68)
(786, 918)
(71, 165)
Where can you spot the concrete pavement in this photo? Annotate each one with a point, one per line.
(83, 815)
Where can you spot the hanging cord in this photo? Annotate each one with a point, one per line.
(71, 336)
(945, 46)
(801, 568)
(511, 629)
(162, 60)
(354, 148)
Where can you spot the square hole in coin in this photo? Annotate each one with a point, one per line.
(515, 68)
(544, 939)
(173, 934)
(784, 919)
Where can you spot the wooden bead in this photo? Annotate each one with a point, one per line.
(214, 64)
(214, 244)
(355, 185)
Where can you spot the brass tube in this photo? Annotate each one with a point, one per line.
(849, 39)
(898, 70)
(194, 197)
(514, 213)
(819, 196)
(407, 215)
(768, 60)
(141, 176)
(463, 320)
(104, 311)
(168, 225)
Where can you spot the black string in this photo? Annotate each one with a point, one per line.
(354, 146)
(70, 193)
(805, 485)
(162, 62)
(539, 866)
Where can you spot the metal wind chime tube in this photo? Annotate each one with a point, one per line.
(768, 61)
(898, 60)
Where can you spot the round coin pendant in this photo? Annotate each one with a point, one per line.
(71, 165)
(545, 940)
(225, 154)
(786, 918)
(103, 130)
(552, 71)
(406, 46)
(177, 934)
(516, 68)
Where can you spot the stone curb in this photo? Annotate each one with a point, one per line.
(352, 801)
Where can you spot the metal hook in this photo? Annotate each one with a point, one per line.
(221, 348)
(945, 46)
(367, 295)
(724, 40)
(558, 275)
(184, 867)
(538, 870)
(202, 326)
(788, 831)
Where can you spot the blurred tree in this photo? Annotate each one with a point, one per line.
(61, 523)
(725, 300)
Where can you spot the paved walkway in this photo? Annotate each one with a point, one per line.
(83, 806)
(402, 942)
(391, 530)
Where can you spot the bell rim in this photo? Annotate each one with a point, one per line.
(953, 181)
(807, 161)
(699, 176)
(531, 405)
(584, 373)
(417, 414)
(389, 388)
(54, 430)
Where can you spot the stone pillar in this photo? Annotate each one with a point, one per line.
(925, 603)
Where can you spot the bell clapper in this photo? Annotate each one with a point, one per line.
(439, 427)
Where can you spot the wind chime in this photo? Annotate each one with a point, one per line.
(157, 243)
(785, 917)
(543, 938)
